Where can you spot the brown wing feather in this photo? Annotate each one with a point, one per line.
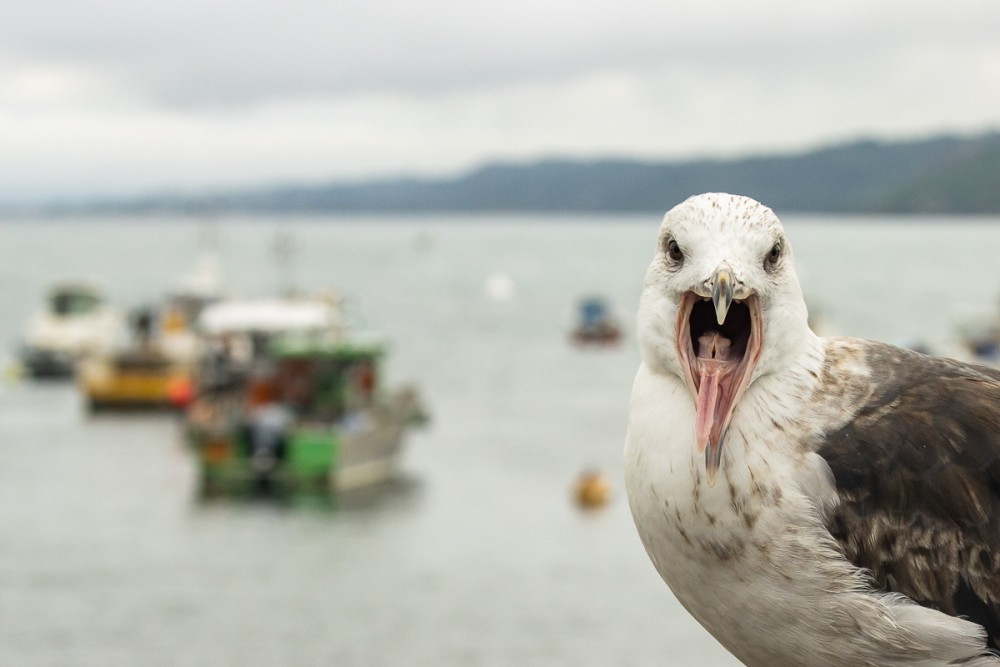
(918, 475)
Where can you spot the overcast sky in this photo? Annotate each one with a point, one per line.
(126, 96)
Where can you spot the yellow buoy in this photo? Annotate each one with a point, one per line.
(592, 489)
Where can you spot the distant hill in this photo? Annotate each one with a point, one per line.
(941, 175)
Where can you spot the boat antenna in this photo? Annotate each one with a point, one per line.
(284, 249)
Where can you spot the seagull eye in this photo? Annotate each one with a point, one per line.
(674, 251)
(772, 257)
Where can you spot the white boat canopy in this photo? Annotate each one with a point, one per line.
(271, 316)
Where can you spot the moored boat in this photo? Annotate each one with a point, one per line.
(155, 368)
(76, 321)
(596, 323)
(297, 403)
(143, 374)
(980, 340)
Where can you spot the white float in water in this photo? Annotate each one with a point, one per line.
(500, 287)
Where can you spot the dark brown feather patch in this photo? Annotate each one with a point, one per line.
(918, 475)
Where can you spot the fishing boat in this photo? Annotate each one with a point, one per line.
(142, 374)
(596, 324)
(289, 399)
(75, 321)
(980, 340)
(180, 309)
(155, 367)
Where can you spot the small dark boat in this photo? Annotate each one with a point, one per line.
(596, 324)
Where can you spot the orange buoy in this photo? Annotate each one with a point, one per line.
(592, 489)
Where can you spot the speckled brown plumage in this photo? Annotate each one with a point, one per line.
(917, 468)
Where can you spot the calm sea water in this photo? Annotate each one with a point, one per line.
(476, 555)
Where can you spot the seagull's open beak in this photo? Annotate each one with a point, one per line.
(720, 330)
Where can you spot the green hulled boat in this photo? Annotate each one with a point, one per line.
(308, 411)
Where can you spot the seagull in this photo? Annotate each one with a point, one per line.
(810, 501)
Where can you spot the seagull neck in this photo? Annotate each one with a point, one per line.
(781, 388)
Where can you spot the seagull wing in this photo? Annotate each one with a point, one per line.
(917, 471)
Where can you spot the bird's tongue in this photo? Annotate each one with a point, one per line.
(708, 403)
(714, 368)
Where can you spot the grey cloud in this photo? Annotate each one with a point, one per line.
(220, 53)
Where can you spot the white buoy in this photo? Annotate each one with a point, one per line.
(500, 287)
